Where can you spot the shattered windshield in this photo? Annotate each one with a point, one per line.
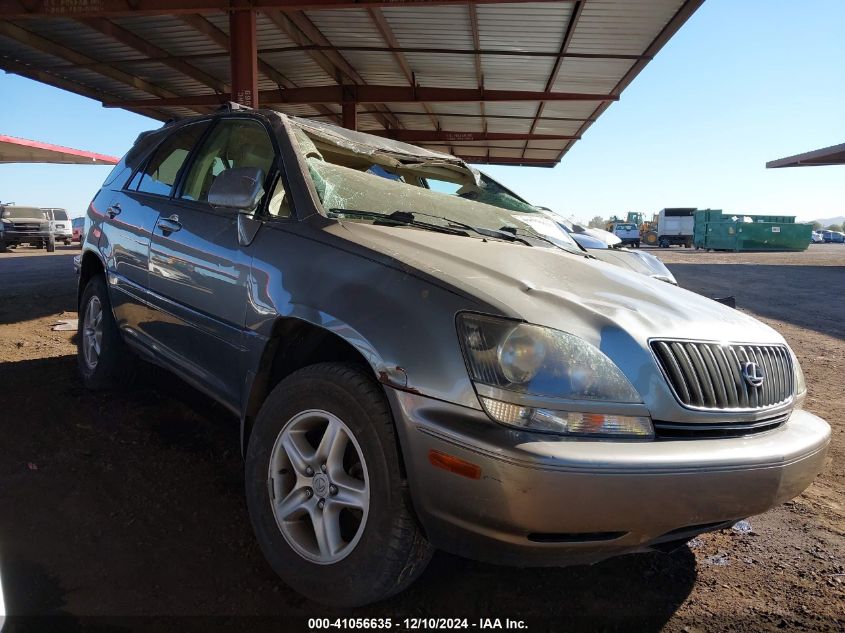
(361, 183)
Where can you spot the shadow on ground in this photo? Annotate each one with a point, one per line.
(130, 503)
(773, 291)
(35, 286)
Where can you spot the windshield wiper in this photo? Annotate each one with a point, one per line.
(397, 218)
(407, 218)
(499, 234)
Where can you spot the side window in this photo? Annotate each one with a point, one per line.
(279, 205)
(233, 143)
(163, 168)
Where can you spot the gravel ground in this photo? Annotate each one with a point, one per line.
(130, 504)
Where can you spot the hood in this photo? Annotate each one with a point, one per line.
(22, 214)
(597, 301)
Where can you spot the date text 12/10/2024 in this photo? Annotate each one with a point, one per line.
(415, 624)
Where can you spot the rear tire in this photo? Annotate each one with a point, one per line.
(103, 358)
(380, 550)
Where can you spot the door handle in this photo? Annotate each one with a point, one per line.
(169, 225)
(113, 210)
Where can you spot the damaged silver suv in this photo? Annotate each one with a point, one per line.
(420, 359)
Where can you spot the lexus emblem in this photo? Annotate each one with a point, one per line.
(753, 374)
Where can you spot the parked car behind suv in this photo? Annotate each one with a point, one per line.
(25, 225)
(415, 370)
(78, 227)
(60, 225)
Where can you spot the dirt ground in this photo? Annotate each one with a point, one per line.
(120, 505)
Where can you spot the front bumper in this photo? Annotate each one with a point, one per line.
(542, 500)
(12, 237)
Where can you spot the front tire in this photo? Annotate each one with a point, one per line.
(103, 358)
(325, 491)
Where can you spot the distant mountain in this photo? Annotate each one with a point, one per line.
(839, 219)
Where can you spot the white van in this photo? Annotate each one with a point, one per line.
(60, 225)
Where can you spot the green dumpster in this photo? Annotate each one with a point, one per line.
(716, 231)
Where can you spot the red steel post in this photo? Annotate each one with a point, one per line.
(244, 57)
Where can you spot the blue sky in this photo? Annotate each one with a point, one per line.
(740, 84)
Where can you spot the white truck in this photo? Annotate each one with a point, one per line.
(628, 232)
(674, 226)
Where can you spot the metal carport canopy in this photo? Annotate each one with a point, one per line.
(491, 81)
(22, 150)
(834, 155)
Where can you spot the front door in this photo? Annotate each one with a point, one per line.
(198, 270)
(130, 214)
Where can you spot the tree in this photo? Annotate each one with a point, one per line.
(597, 222)
(834, 227)
(817, 226)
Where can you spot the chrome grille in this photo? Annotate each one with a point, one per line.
(26, 227)
(709, 375)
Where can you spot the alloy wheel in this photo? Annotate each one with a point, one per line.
(319, 486)
(92, 332)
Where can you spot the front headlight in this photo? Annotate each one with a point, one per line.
(800, 381)
(535, 361)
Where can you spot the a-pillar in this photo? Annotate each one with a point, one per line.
(244, 56)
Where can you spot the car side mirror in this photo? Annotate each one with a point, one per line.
(239, 188)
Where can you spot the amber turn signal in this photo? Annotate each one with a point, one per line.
(454, 464)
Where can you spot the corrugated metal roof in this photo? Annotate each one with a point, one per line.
(538, 27)
(592, 47)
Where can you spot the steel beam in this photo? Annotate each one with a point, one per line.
(515, 162)
(21, 9)
(350, 115)
(464, 115)
(203, 25)
(375, 94)
(447, 136)
(244, 58)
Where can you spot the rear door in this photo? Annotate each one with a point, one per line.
(198, 270)
(130, 212)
